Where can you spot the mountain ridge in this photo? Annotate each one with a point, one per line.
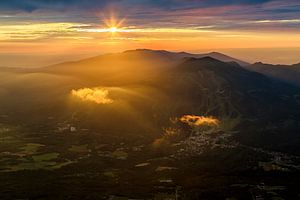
(182, 54)
(287, 73)
(160, 60)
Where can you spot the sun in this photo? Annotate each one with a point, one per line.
(113, 24)
(113, 29)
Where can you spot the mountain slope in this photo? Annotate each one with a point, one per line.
(232, 93)
(180, 55)
(144, 125)
(245, 87)
(288, 73)
(156, 86)
(141, 57)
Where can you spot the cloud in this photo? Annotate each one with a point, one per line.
(35, 31)
(196, 121)
(198, 24)
(33, 5)
(227, 14)
(96, 95)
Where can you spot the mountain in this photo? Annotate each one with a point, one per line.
(148, 125)
(144, 62)
(176, 84)
(158, 57)
(296, 67)
(223, 57)
(180, 55)
(229, 91)
(288, 73)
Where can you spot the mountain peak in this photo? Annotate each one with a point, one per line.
(146, 51)
(205, 59)
(182, 54)
(218, 53)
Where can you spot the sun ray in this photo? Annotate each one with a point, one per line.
(113, 24)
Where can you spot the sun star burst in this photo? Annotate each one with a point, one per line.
(113, 24)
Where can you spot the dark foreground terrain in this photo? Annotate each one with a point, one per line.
(148, 125)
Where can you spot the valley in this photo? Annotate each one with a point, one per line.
(164, 127)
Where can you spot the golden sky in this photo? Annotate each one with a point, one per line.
(41, 34)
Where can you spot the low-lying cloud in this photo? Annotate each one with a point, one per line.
(96, 95)
(195, 121)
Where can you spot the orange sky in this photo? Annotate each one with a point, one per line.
(34, 46)
(33, 35)
(35, 49)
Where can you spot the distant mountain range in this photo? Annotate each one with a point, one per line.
(162, 58)
(180, 55)
(288, 73)
(177, 84)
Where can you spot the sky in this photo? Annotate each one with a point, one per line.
(41, 32)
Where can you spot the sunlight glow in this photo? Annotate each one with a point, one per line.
(113, 24)
(113, 29)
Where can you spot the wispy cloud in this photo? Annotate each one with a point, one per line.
(228, 14)
(278, 21)
(35, 31)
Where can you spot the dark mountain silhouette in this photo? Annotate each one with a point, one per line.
(180, 55)
(159, 58)
(229, 90)
(146, 59)
(288, 73)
